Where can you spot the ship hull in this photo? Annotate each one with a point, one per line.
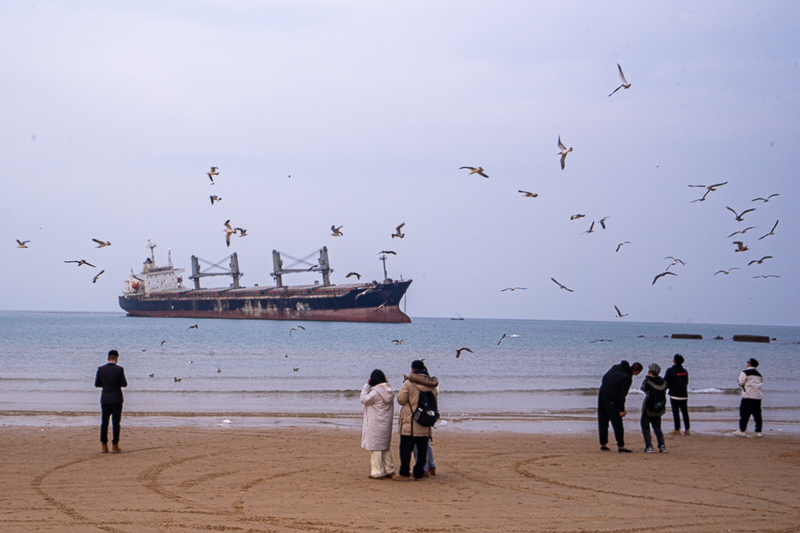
(349, 303)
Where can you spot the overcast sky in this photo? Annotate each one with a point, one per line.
(360, 113)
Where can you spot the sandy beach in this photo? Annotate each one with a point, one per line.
(308, 479)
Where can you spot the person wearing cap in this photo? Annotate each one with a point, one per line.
(413, 434)
(653, 408)
(111, 377)
(377, 396)
(611, 402)
(677, 379)
(750, 381)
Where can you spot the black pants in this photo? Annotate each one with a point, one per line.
(749, 407)
(114, 412)
(680, 407)
(407, 444)
(608, 411)
(654, 421)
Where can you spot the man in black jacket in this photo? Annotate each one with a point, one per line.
(611, 402)
(677, 379)
(111, 377)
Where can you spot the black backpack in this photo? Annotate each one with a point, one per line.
(427, 412)
(656, 404)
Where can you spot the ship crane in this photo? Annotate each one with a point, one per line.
(233, 271)
(322, 265)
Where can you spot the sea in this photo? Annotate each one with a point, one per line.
(521, 375)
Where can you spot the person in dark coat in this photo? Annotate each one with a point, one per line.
(677, 379)
(111, 377)
(611, 402)
(654, 406)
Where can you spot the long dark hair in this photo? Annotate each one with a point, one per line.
(377, 377)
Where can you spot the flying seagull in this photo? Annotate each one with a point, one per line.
(765, 200)
(603, 221)
(102, 244)
(591, 229)
(675, 261)
(667, 273)
(711, 188)
(213, 172)
(759, 261)
(399, 235)
(397, 342)
(740, 246)
(214, 198)
(621, 244)
(501, 339)
(765, 276)
(336, 231)
(563, 153)
(625, 84)
(242, 232)
(228, 232)
(464, 349)
(745, 230)
(296, 328)
(22, 244)
(576, 217)
(771, 232)
(561, 286)
(390, 252)
(743, 213)
(94, 279)
(81, 262)
(194, 326)
(473, 170)
(514, 289)
(619, 313)
(726, 272)
(356, 274)
(529, 194)
(703, 199)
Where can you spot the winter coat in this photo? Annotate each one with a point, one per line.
(617, 382)
(654, 387)
(750, 381)
(376, 427)
(677, 379)
(408, 397)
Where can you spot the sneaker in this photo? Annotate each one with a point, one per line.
(676, 431)
(649, 449)
(758, 434)
(739, 433)
(624, 450)
(604, 448)
(687, 432)
(662, 449)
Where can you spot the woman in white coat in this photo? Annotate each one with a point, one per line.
(377, 395)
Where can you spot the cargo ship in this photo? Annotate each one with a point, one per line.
(158, 291)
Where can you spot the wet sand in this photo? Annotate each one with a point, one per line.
(185, 479)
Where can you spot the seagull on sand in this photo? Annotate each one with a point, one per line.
(740, 246)
(726, 272)
(759, 261)
(22, 244)
(619, 313)
(765, 200)
(336, 231)
(739, 216)
(94, 279)
(529, 194)
(356, 274)
(215, 198)
(213, 172)
(473, 170)
(563, 153)
(745, 230)
(625, 84)
(464, 349)
(102, 244)
(514, 289)
(662, 275)
(621, 244)
(81, 262)
(399, 235)
(228, 232)
(561, 286)
(296, 328)
(771, 232)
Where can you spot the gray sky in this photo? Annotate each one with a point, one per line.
(112, 115)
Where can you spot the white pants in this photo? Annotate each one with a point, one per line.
(381, 463)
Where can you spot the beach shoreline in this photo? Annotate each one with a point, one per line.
(316, 479)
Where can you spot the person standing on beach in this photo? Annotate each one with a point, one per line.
(611, 402)
(377, 395)
(413, 434)
(750, 381)
(677, 379)
(111, 377)
(653, 408)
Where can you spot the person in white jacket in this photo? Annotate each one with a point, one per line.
(377, 395)
(750, 381)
